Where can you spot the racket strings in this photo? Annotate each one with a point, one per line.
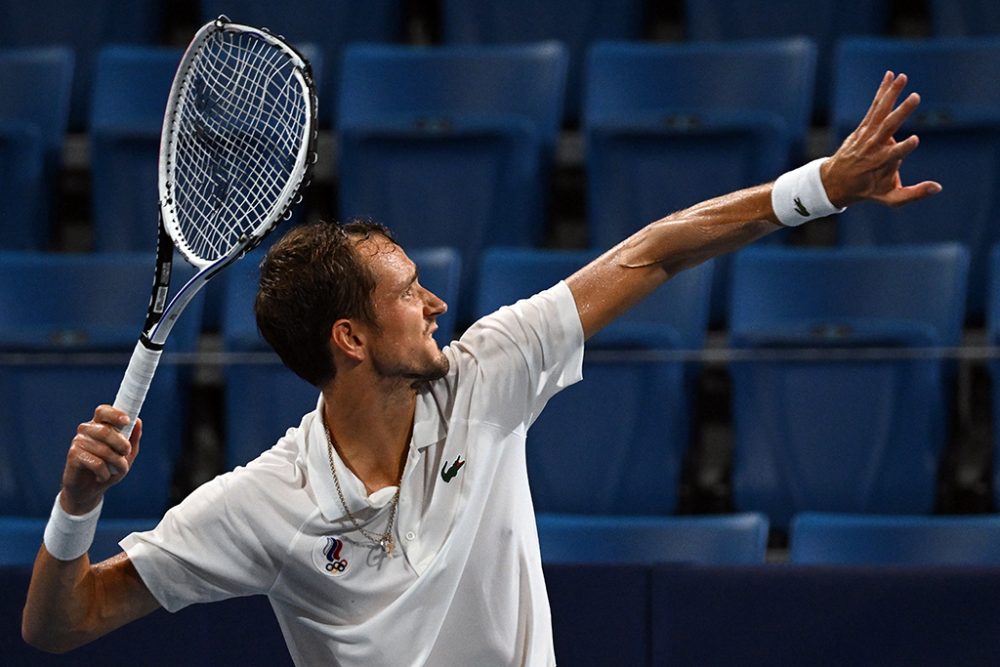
(238, 129)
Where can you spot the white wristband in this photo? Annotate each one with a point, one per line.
(798, 196)
(67, 536)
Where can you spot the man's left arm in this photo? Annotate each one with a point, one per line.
(864, 168)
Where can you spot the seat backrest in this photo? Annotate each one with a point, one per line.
(837, 404)
(732, 539)
(850, 539)
(34, 112)
(82, 27)
(945, 71)
(779, 293)
(36, 85)
(695, 83)
(387, 83)
(131, 86)
(575, 23)
(69, 325)
(958, 122)
(824, 22)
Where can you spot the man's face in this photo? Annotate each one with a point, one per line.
(404, 345)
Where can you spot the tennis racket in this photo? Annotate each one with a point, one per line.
(236, 148)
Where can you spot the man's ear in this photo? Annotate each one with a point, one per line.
(349, 339)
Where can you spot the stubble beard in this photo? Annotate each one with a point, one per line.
(434, 369)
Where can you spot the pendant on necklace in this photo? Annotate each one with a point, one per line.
(387, 546)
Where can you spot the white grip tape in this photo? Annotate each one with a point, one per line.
(67, 536)
(135, 384)
(798, 195)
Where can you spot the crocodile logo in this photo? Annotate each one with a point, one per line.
(448, 474)
(801, 209)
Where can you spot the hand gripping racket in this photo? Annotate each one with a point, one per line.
(236, 148)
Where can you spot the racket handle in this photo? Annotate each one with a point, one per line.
(135, 384)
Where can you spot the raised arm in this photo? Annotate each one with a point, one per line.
(70, 601)
(865, 167)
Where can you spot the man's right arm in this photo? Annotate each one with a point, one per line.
(72, 602)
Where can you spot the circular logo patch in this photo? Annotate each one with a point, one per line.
(330, 556)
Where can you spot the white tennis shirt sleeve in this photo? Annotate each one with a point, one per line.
(523, 355)
(213, 546)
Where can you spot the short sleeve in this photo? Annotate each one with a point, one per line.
(522, 355)
(212, 546)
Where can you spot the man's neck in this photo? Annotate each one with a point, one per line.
(371, 430)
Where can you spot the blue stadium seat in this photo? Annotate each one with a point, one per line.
(824, 22)
(263, 398)
(82, 27)
(959, 126)
(329, 25)
(131, 85)
(817, 538)
(21, 536)
(34, 111)
(575, 23)
(435, 143)
(832, 408)
(69, 324)
(731, 539)
(614, 443)
(964, 18)
(668, 126)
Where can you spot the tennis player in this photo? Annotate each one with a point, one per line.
(394, 525)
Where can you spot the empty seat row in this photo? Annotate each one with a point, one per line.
(722, 539)
(458, 159)
(332, 24)
(814, 538)
(841, 377)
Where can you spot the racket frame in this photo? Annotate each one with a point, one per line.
(162, 314)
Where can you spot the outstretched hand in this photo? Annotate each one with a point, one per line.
(866, 166)
(99, 457)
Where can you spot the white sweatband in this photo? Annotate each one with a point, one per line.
(798, 195)
(68, 536)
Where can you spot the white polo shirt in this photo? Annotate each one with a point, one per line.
(465, 586)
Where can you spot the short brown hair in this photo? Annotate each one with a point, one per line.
(309, 279)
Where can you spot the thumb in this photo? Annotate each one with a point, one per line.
(134, 441)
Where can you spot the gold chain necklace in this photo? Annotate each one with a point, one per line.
(383, 541)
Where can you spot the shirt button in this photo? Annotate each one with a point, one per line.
(410, 535)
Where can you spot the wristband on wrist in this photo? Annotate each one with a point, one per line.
(799, 196)
(68, 536)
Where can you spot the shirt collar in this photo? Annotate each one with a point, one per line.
(428, 429)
